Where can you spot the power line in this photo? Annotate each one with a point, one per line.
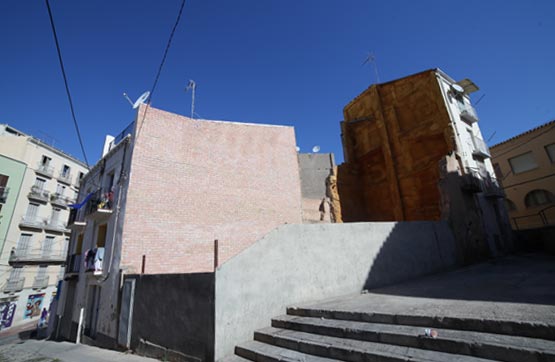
(168, 45)
(66, 84)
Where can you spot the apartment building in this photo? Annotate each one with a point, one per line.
(526, 165)
(172, 195)
(37, 182)
(414, 151)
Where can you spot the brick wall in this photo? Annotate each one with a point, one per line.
(193, 181)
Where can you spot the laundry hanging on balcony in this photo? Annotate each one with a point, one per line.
(82, 203)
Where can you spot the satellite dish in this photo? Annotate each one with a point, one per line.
(457, 88)
(315, 149)
(142, 99)
(298, 148)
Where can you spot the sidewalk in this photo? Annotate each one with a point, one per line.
(49, 351)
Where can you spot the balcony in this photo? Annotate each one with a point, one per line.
(56, 226)
(14, 285)
(74, 265)
(75, 221)
(492, 188)
(60, 200)
(65, 177)
(99, 206)
(41, 282)
(468, 114)
(38, 194)
(36, 257)
(32, 222)
(480, 148)
(94, 260)
(45, 170)
(3, 194)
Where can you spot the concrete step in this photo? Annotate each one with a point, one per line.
(495, 326)
(262, 352)
(353, 350)
(477, 344)
(233, 358)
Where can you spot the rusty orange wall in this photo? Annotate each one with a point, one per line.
(193, 181)
(394, 136)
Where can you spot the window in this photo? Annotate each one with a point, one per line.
(522, 163)
(32, 211)
(550, 149)
(79, 247)
(60, 189)
(55, 219)
(65, 247)
(3, 188)
(45, 161)
(538, 198)
(23, 244)
(81, 175)
(65, 171)
(510, 205)
(47, 246)
(39, 184)
(41, 274)
(101, 238)
(15, 274)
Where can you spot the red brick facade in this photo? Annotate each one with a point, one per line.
(193, 181)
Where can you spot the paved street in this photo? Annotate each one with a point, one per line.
(49, 351)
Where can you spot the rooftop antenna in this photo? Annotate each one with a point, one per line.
(142, 99)
(315, 149)
(192, 86)
(371, 58)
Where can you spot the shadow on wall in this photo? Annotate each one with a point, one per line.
(516, 279)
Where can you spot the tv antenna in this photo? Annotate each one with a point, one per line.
(316, 149)
(192, 86)
(371, 58)
(141, 100)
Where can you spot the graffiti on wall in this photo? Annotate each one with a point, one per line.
(7, 311)
(34, 306)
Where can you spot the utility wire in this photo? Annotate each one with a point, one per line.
(66, 84)
(168, 45)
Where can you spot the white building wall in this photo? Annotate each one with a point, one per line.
(30, 151)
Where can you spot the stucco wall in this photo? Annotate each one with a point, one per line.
(314, 170)
(301, 263)
(193, 181)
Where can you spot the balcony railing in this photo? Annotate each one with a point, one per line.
(100, 205)
(32, 222)
(38, 194)
(36, 257)
(56, 226)
(45, 170)
(41, 282)
(14, 285)
(75, 220)
(480, 147)
(4, 194)
(65, 177)
(60, 200)
(468, 114)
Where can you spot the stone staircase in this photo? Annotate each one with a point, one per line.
(317, 335)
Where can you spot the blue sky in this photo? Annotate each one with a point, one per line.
(280, 62)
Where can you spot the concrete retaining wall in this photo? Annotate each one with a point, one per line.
(173, 315)
(301, 263)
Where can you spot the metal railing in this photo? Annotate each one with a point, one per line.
(55, 226)
(32, 222)
(60, 200)
(480, 147)
(65, 176)
(74, 264)
(38, 193)
(36, 256)
(41, 282)
(14, 285)
(468, 113)
(45, 170)
(541, 218)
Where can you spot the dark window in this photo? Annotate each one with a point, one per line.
(510, 205)
(538, 198)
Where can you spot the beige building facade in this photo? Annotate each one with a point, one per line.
(34, 244)
(525, 164)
